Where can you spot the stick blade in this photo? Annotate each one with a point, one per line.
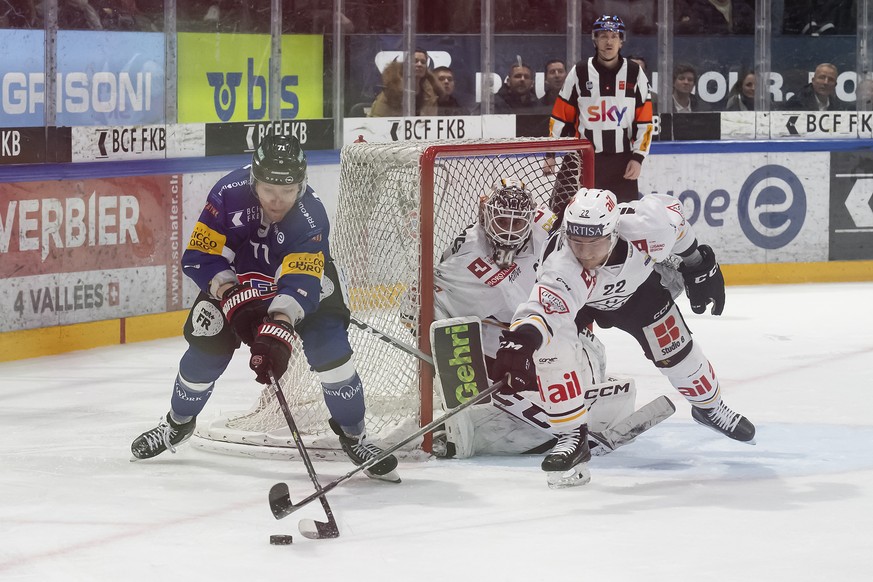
(318, 530)
(627, 429)
(280, 501)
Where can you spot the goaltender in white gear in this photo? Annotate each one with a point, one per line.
(490, 270)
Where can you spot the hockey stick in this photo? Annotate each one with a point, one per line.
(308, 527)
(280, 499)
(634, 424)
(393, 341)
(610, 439)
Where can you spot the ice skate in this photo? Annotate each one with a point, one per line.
(441, 447)
(725, 421)
(567, 464)
(360, 450)
(167, 435)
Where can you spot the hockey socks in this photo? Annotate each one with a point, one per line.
(344, 397)
(189, 398)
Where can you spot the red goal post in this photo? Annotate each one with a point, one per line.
(400, 207)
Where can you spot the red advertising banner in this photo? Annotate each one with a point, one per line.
(93, 247)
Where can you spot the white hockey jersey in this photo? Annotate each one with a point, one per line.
(653, 227)
(468, 282)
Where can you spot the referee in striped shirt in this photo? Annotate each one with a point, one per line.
(605, 100)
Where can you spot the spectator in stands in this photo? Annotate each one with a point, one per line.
(389, 103)
(708, 17)
(864, 94)
(312, 17)
(448, 104)
(517, 93)
(684, 81)
(641, 61)
(819, 94)
(555, 73)
(76, 15)
(19, 14)
(742, 94)
(819, 17)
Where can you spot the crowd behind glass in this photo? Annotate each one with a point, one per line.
(820, 20)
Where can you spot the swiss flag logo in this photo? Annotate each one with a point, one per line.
(621, 85)
(479, 267)
(114, 293)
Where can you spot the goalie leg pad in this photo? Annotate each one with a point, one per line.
(610, 401)
(460, 432)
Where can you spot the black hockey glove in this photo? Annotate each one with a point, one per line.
(271, 350)
(244, 310)
(515, 359)
(704, 283)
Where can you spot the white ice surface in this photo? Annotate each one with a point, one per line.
(682, 503)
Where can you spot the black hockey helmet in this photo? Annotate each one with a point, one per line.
(610, 23)
(280, 160)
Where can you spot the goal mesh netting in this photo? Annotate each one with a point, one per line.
(400, 207)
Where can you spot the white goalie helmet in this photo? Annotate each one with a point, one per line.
(591, 226)
(507, 217)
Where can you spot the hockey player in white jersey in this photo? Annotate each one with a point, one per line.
(490, 270)
(601, 270)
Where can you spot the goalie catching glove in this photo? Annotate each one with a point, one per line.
(244, 310)
(704, 282)
(515, 360)
(271, 350)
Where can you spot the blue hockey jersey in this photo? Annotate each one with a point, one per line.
(284, 260)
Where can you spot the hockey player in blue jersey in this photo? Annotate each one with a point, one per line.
(260, 255)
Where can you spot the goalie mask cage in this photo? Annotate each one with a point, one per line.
(400, 207)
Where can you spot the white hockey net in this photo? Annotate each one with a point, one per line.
(400, 207)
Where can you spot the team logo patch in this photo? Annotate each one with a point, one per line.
(479, 267)
(206, 240)
(677, 208)
(552, 302)
(264, 285)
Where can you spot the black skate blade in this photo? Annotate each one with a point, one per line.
(317, 530)
(280, 501)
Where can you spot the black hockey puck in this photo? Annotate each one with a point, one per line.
(281, 540)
